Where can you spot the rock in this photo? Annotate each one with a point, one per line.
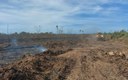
(111, 53)
(120, 54)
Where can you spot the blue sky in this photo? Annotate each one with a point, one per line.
(69, 15)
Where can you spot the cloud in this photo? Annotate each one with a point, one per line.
(49, 13)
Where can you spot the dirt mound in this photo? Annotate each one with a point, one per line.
(99, 66)
(38, 67)
(108, 63)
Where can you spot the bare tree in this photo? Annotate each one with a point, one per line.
(38, 29)
(59, 29)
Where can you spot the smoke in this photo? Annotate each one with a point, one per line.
(14, 51)
(14, 42)
(14, 46)
(41, 48)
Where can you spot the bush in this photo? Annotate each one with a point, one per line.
(117, 34)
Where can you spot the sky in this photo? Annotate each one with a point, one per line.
(70, 15)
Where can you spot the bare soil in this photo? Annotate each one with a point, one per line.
(72, 60)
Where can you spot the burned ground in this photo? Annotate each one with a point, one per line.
(83, 59)
(39, 67)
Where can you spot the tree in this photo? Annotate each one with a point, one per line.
(38, 29)
(59, 29)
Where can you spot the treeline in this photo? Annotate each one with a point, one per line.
(117, 35)
(25, 35)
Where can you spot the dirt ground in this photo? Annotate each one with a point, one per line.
(65, 60)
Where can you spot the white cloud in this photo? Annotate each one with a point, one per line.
(98, 9)
(51, 12)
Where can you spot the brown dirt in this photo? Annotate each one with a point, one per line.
(90, 61)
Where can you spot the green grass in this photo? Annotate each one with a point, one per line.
(117, 35)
